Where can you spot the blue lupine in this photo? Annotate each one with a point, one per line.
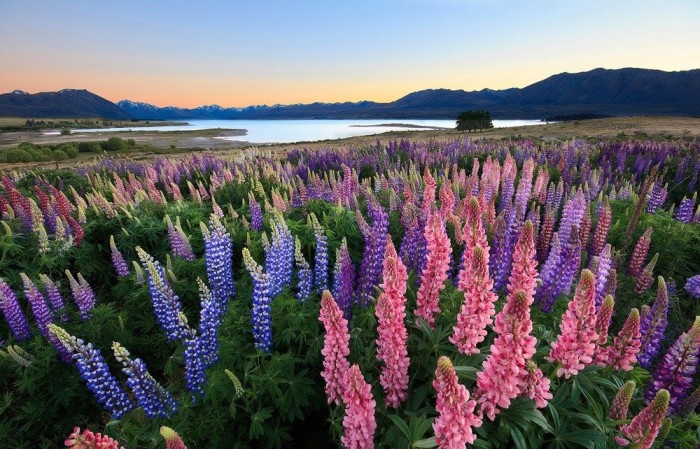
(686, 209)
(256, 217)
(676, 370)
(42, 316)
(692, 286)
(54, 296)
(120, 265)
(166, 304)
(279, 254)
(218, 258)
(321, 256)
(13, 313)
(303, 273)
(653, 326)
(151, 396)
(104, 386)
(262, 299)
(210, 320)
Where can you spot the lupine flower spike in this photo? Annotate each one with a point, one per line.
(359, 422)
(644, 428)
(621, 403)
(172, 439)
(456, 417)
(435, 272)
(89, 440)
(622, 354)
(653, 326)
(336, 347)
(120, 265)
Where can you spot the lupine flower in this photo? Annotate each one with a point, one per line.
(602, 272)
(118, 261)
(657, 197)
(375, 243)
(54, 296)
(575, 346)
(537, 385)
(622, 354)
(611, 284)
(435, 273)
(279, 254)
(692, 286)
(359, 423)
(321, 256)
(89, 440)
(172, 439)
(218, 257)
(602, 228)
(676, 370)
(261, 315)
(344, 282)
(456, 417)
(392, 338)
(478, 307)
(645, 277)
(642, 431)
(83, 295)
(621, 403)
(639, 253)
(653, 327)
(256, 218)
(166, 304)
(179, 243)
(304, 274)
(151, 396)
(13, 313)
(686, 209)
(602, 321)
(93, 369)
(689, 404)
(336, 347)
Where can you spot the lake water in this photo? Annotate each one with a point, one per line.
(287, 131)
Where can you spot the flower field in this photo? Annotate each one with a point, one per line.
(486, 293)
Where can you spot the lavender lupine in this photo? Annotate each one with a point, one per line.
(320, 256)
(179, 243)
(54, 296)
(657, 197)
(42, 316)
(676, 370)
(120, 265)
(692, 286)
(602, 272)
(344, 282)
(13, 313)
(686, 209)
(166, 304)
(653, 327)
(256, 217)
(151, 396)
(304, 273)
(93, 369)
(503, 261)
(83, 295)
(279, 254)
(262, 300)
(373, 256)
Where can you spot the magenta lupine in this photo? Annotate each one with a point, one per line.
(621, 403)
(639, 253)
(89, 440)
(118, 261)
(172, 439)
(676, 370)
(603, 317)
(13, 313)
(435, 272)
(653, 326)
(478, 306)
(646, 276)
(602, 228)
(622, 354)
(359, 422)
(644, 428)
(336, 348)
(456, 417)
(392, 338)
(575, 346)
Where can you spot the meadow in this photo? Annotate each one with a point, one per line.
(438, 293)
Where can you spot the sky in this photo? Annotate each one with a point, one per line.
(240, 53)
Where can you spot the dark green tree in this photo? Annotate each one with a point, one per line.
(474, 120)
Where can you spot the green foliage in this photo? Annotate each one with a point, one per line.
(474, 120)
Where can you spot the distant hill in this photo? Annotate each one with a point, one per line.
(599, 92)
(66, 103)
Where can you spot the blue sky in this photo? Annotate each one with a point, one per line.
(263, 52)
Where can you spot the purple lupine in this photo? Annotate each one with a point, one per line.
(686, 209)
(210, 320)
(54, 296)
(150, 395)
(304, 274)
(344, 282)
(545, 295)
(104, 386)
(256, 217)
(179, 243)
(83, 295)
(692, 286)
(657, 197)
(118, 261)
(218, 258)
(373, 256)
(411, 243)
(13, 313)
(261, 318)
(42, 316)
(166, 304)
(571, 257)
(503, 260)
(653, 326)
(321, 256)
(676, 370)
(572, 215)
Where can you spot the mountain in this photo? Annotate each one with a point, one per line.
(66, 103)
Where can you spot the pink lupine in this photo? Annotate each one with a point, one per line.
(602, 322)
(503, 373)
(537, 385)
(478, 306)
(336, 347)
(473, 235)
(456, 417)
(639, 253)
(359, 423)
(523, 276)
(622, 354)
(392, 340)
(435, 272)
(89, 440)
(645, 277)
(621, 403)
(642, 431)
(172, 439)
(575, 346)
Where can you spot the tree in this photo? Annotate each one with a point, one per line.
(474, 120)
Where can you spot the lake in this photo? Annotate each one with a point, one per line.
(287, 131)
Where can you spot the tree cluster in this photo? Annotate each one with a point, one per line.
(474, 120)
